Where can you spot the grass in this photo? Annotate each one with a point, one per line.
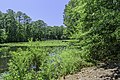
(37, 43)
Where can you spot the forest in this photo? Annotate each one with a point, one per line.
(32, 50)
(19, 27)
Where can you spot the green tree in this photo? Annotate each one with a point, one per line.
(72, 16)
(38, 31)
(20, 27)
(96, 24)
(3, 35)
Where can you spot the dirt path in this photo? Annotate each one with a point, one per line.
(106, 71)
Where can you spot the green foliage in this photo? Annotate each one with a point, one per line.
(43, 63)
(19, 27)
(72, 61)
(55, 32)
(48, 43)
(25, 64)
(95, 23)
(3, 35)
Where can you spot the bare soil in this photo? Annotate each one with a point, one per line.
(103, 71)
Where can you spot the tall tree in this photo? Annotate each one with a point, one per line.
(20, 27)
(72, 16)
(96, 24)
(11, 26)
(3, 35)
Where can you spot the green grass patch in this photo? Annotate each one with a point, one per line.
(37, 43)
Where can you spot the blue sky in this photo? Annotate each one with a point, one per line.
(50, 11)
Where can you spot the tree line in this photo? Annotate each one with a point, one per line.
(19, 27)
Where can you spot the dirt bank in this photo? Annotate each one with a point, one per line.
(104, 71)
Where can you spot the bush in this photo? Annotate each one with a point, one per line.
(37, 63)
(25, 64)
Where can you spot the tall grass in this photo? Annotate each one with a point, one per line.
(44, 63)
